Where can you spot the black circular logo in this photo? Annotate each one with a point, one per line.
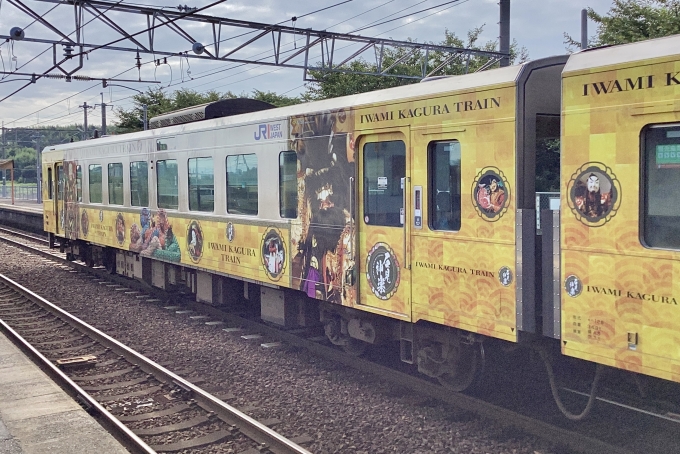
(273, 254)
(505, 276)
(594, 194)
(573, 286)
(382, 271)
(195, 241)
(490, 194)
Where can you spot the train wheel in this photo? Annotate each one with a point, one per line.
(355, 347)
(351, 346)
(462, 367)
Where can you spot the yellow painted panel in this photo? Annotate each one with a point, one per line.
(623, 305)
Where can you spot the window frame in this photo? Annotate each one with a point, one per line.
(644, 180)
(257, 201)
(50, 184)
(282, 211)
(112, 192)
(189, 186)
(158, 194)
(89, 183)
(79, 183)
(132, 199)
(432, 189)
(366, 194)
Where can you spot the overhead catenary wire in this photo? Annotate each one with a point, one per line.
(148, 29)
(201, 75)
(406, 15)
(217, 2)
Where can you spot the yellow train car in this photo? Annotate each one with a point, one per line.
(620, 233)
(411, 215)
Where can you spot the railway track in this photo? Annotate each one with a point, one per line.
(152, 409)
(557, 435)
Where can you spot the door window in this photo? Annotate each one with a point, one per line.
(50, 188)
(661, 187)
(445, 185)
(384, 172)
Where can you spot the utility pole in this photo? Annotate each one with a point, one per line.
(85, 107)
(584, 29)
(4, 156)
(103, 115)
(38, 168)
(505, 32)
(146, 122)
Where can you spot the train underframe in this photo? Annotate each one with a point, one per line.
(454, 357)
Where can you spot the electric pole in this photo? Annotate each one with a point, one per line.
(85, 107)
(505, 32)
(38, 168)
(103, 115)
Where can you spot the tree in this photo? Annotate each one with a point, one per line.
(331, 85)
(159, 102)
(628, 21)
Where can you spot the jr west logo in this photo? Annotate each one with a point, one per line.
(268, 131)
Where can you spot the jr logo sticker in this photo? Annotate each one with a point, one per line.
(594, 194)
(268, 131)
(382, 271)
(490, 194)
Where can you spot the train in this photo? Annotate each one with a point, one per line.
(410, 215)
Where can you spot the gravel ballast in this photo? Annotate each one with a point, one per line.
(342, 410)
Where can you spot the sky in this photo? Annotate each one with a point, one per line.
(537, 25)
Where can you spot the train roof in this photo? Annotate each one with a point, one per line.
(431, 88)
(623, 54)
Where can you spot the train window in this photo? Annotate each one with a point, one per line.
(661, 187)
(139, 184)
(79, 183)
(167, 184)
(116, 183)
(384, 170)
(201, 184)
(288, 199)
(95, 187)
(60, 182)
(445, 186)
(242, 184)
(49, 183)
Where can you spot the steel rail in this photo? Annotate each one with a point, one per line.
(250, 427)
(109, 421)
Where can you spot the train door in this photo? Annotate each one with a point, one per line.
(58, 192)
(384, 264)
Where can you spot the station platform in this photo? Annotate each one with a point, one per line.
(24, 214)
(29, 206)
(37, 416)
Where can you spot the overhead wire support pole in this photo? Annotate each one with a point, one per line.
(85, 107)
(505, 32)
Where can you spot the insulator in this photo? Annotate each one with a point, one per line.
(17, 33)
